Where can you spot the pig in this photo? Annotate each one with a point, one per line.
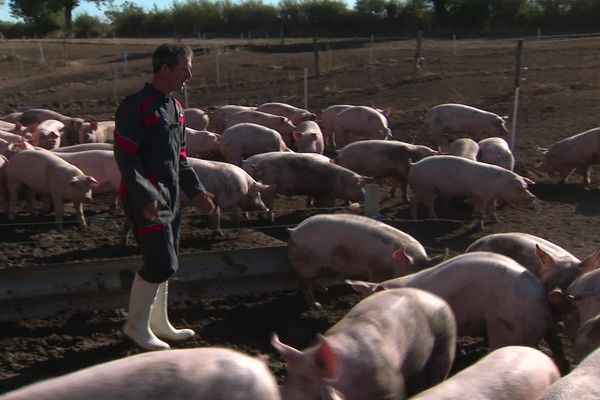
(496, 151)
(196, 119)
(44, 172)
(552, 264)
(465, 148)
(491, 295)
(390, 345)
(100, 164)
(575, 152)
(382, 159)
(306, 174)
(308, 138)
(16, 129)
(248, 139)
(509, 373)
(232, 186)
(201, 142)
(97, 132)
(587, 338)
(8, 149)
(11, 137)
(329, 114)
(12, 117)
(466, 120)
(47, 134)
(351, 246)
(294, 114)
(220, 115)
(72, 125)
(84, 147)
(362, 122)
(281, 124)
(583, 383)
(209, 373)
(451, 176)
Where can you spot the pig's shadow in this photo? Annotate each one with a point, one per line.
(586, 199)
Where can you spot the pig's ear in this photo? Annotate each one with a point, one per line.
(366, 179)
(297, 135)
(547, 261)
(289, 353)
(313, 117)
(361, 287)
(560, 300)
(93, 181)
(330, 393)
(528, 181)
(505, 118)
(325, 359)
(589, 263)
(401, 256)
(387, 111)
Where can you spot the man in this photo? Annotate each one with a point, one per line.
(150, 152)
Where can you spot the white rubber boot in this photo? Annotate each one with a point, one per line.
(159, 319)
(137, 327)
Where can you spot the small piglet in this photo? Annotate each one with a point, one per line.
(389, 346)
(209, 373)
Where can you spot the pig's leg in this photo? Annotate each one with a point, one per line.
(556, 346)
(29, 196)
(80, 216)
(307, 292)
(564, 174)
(584, 170)
(215, 221)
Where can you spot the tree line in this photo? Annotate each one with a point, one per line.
(303, 17)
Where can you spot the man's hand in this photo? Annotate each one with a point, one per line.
(203, 202)
(151, 211)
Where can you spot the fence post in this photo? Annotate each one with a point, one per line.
(454, 44)
(42, 58)
(417, 54)
(281, 35)
(125, 62)
(306, 88)
(513, 136)
(371, 49)
(316, 51)
(217, 67)
(539, 34)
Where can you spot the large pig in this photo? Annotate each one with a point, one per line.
(232, 186)
(84, 147)
(97, 132)
(196, 119)
(465, 148)
(308, 138)
(328, 116)
(360, 122)
(44, 172)
(100, 164)
(388, 347)
(249, 139)
(587, 338)
(47, 134)
(575, 152)
(281, 124)
(72, 125)
(555, 266)
(220, 115)
(382, 159)
(201, 142)
(12, 117)
(496, 151)
(294, 114)
(451, 176)
(352, 246)
(308, 174)
(464, 120)
(491, 295)
(209, 373)
(509, 373)
(583, 383)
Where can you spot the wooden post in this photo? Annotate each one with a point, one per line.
(306, 88)
(454, 44)
(371, 50)
(316, 51)
(417, 54)
(281, 35)
(513, 136)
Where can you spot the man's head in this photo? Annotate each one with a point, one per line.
(172, 66)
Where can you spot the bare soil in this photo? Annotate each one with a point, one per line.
(559, 97)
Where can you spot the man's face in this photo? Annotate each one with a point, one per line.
(179, 74)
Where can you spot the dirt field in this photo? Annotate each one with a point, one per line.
(559, 97)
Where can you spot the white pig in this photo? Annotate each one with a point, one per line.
(509, 373)
(329, 114)
(248, 139)
(352, 246)
(281, 124)
(84, 147)
(583, 383)
(587, 338)
(308, 138)
(8, 149)
(201, 142)
(294, 114)
(462, 119)
(496, 151)
(196, 119)
(360, 122)
(100, 164)
(38, 115)
(97, 132)
(451, 176)
(465, 148)
(47, 134)
(555, 266)
(491, 295)
(220, 115)
(575, 152)
(209, 373)
(44, 172)
(389, 346)
(382, 159)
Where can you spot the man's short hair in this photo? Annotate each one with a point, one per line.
(168, 53)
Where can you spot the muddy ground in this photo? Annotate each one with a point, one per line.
(559, 97)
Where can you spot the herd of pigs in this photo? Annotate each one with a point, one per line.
(400, 340)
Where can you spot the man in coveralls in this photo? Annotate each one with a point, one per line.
(150, 152)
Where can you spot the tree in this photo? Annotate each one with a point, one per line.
(39, 10)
